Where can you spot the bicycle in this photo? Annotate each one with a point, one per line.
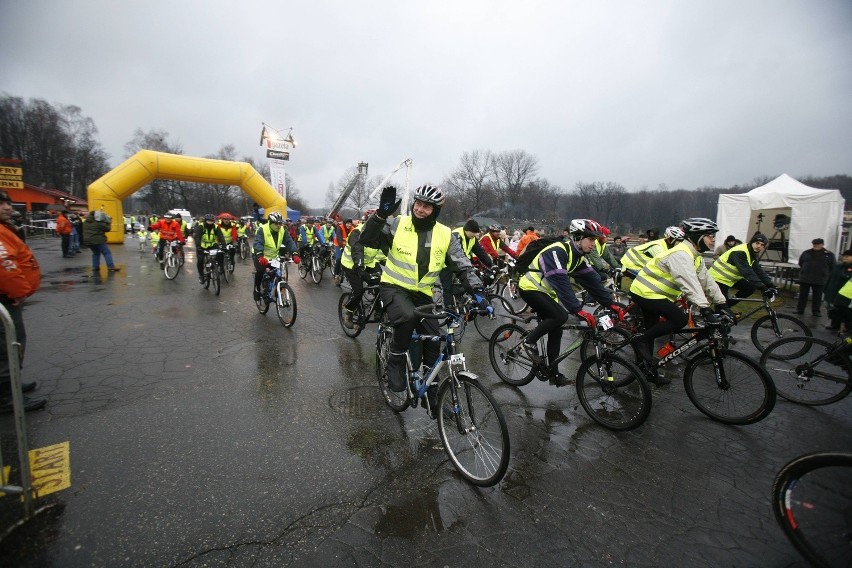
(724, 385)
(772, 326)
(275, 288)
(368, 311)
(311, 264)
(211, 269)
(810, 371)
(612, 390)
(470, 424)
(244, 248)
(812, 501)
(228, 263)
(172, 259)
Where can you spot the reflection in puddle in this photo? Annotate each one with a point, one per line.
(421, 514)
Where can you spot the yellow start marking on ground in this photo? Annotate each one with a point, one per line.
(50, 468)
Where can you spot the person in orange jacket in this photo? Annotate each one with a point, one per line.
(169, 229)
(21, 278)
(64, 228)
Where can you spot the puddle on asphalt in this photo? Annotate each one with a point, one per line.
(410, 519)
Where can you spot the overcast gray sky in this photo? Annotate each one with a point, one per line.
(684, 93)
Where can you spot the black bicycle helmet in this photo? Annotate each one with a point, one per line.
(495, 227)
(210, 217)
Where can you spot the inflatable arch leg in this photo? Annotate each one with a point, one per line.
(146, 165)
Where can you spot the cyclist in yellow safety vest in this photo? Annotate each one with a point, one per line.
(739, 268)
(637, 257)
(679, 270)
(359, 264)
(229, 233)
(418, 248)
(546, 289)
(208, 236)
(469, 241)
(269, 239)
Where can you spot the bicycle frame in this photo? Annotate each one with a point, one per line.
(446, 356)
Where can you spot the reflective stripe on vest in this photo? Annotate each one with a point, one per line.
(726, 273)
(401, 266)
(654, 283)
(226, 234)
(635, 257)
(208, 237)
(270, 246)
(467, 244)
(535, 279)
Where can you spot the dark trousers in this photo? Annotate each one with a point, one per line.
(17, 314)
(66, 244)
(553, 316)
(201, 258)
(356, 281)
(743, 288)
(399, 305)
(804, 290)
(675, 318)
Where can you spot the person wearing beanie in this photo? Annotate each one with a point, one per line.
(418, 248)
(838, 294)
(730, 242)
(739, 268)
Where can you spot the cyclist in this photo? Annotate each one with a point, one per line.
(208, 236)
(492, 243)
(268, 240)
(359, 264)
(417, 247)
(229, 233)
(308, 235)
(547, 290)
(679, 270)
(340, 239)
(637, 257)
(467, 236)
(169, 229)
(739, 268)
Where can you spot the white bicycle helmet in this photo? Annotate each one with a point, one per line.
(275, 217)
(580, 228)
(429, 194)
(674, 233)
(696, 226)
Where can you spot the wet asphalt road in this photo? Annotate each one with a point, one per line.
(205, 434)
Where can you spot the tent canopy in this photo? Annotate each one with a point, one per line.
(812, 213)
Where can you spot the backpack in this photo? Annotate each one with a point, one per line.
(522, 263)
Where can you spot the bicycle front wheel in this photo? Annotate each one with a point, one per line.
(763, 331)
(485, 325)
(613, 392)
(285, 304)
(473, 430)
(226, 273)
(613, 338)
(811, 499)
(244, 252)
(801, 376)
(341, 313)
(316, 269)
(729, 387)
(511, 293)
(171, 267)
(397, 401)
(304, 268)
(507, 356)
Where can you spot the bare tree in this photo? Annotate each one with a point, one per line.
(470, 184)
(513, 169)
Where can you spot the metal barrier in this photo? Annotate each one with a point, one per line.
(13, 347)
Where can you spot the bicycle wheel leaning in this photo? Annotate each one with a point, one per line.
(803, 374)
(732, 389)
(473, 430)
(507, 356)
(285, 304)
(171, 266)
(811, 499)
(341, 312)
(763, 331)
(613, 392)
(397, 401)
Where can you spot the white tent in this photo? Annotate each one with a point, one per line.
(812, 213)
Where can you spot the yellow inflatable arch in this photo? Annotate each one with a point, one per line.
(146, 165)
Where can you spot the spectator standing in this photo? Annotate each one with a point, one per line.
(94, 234)
(63, 228)
(528, 237)
(618, 248)
(21, 278)
(838, 294)
(815, 266)
(76, 231)
(730, 242)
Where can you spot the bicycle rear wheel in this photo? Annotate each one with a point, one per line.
(485, 325)
(285, 304)
(613, 392)
(733, 389)
(356, 316)
(763, 333)
(811, 499)
(397, 401)
(171, 266)
(800, 377)
(507, 356)
(473, 430)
